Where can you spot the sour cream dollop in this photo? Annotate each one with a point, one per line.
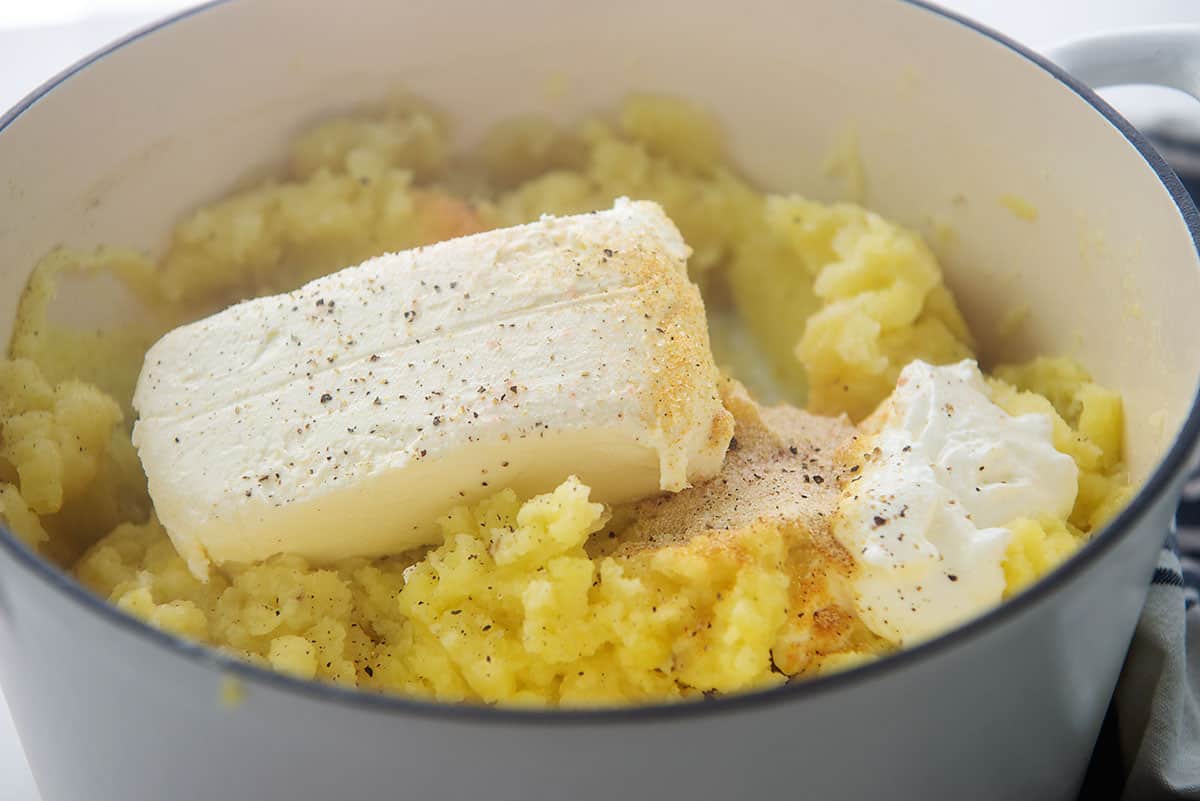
(944, 471)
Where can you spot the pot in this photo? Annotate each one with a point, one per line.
(949, 118)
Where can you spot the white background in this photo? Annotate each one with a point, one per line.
(40, 37)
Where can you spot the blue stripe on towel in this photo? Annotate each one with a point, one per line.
(1168, 577)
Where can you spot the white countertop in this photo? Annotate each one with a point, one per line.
(38, 40)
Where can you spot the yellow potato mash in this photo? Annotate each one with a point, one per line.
(520, 604)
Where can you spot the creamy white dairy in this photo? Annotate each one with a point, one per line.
(941, 472)
(343, 418)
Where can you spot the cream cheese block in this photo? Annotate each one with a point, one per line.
(343, 418)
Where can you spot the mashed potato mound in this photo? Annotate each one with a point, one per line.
(517, 605)
(509, 608)
(881, 300)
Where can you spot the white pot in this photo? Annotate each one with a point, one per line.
(949, 118)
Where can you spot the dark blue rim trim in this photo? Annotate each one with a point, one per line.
(1155, 490)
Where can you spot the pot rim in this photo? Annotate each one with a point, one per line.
(1156, 487)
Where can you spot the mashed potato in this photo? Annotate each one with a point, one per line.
(510, 608)
(518, 605)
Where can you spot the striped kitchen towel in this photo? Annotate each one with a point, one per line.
(1184, 542)
(1157, 703)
